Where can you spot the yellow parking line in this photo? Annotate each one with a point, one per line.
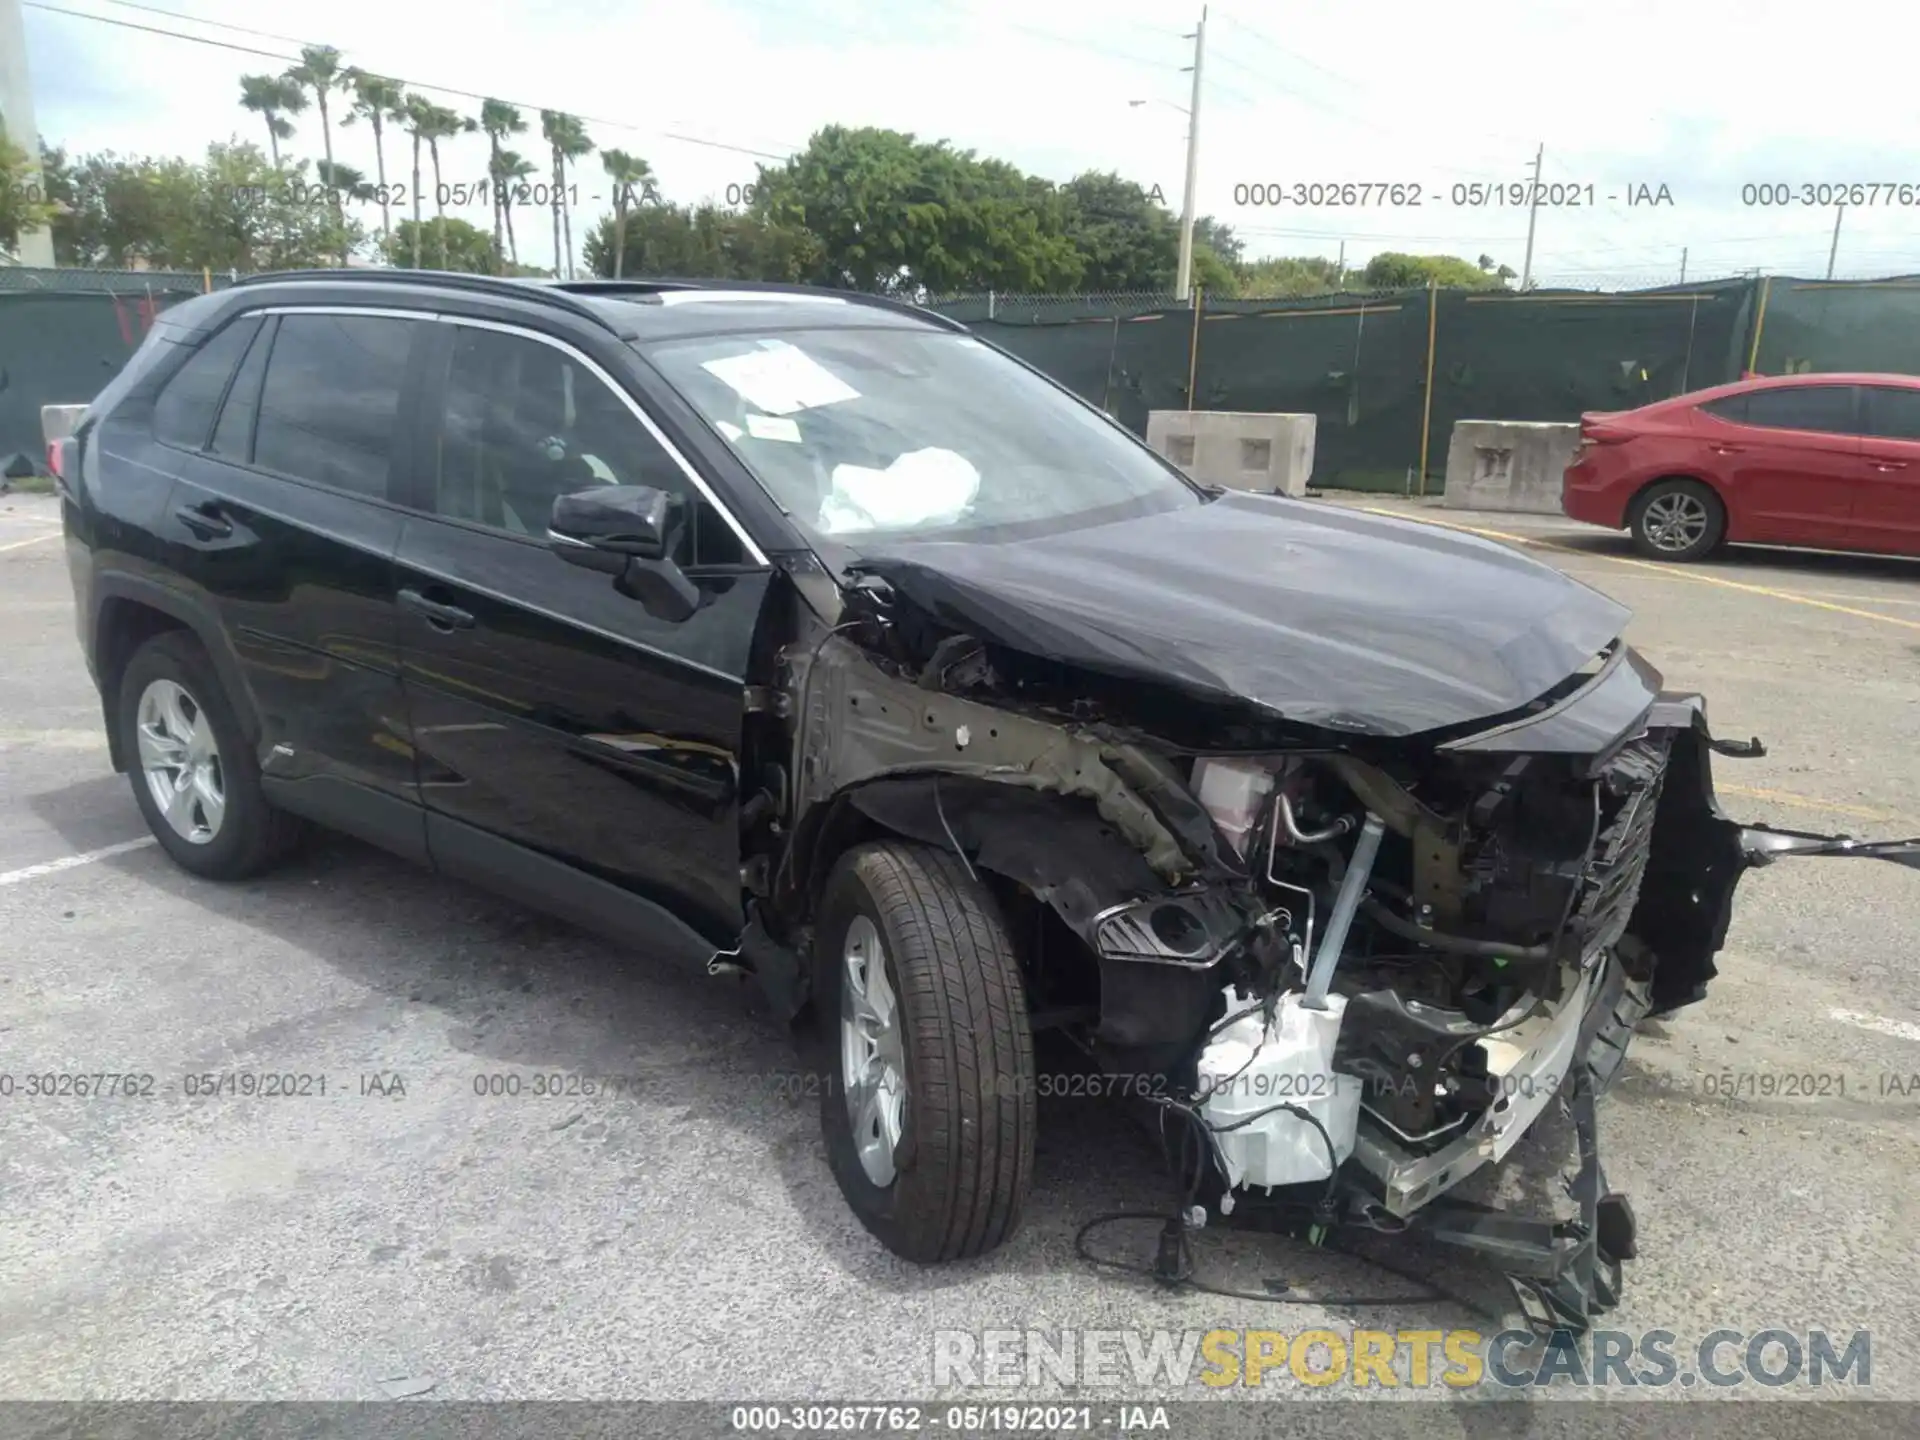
(1806, 802)
(1665, 571)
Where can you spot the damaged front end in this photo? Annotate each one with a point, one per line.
(1362, 964)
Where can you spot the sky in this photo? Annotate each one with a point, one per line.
(1704, 99)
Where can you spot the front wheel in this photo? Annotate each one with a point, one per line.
(928, 1105)
(1677, 520)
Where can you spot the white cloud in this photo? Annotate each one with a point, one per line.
(1701, 97)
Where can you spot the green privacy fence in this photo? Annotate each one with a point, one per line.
(65, 333)
(1360, 363)
(1386, 374)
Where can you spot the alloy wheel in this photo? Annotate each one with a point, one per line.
(1675, 521)
(181, 760)
(873, 1062)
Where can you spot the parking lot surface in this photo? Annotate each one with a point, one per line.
(420, 1229)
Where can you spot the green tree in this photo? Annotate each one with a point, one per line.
(897, 215)
(25, 202)
(418, 113)
(1218, 237)
(343, 182)
(248, 214)
(437, 123)
(706, 242)
(567, 141)
(320, 72)
(1126, 240)
(632, 181)
(273, 98)
(1288, 276)
(499, 120)
(377, 100)
(458, 245)
(1391, 270)
(508, 171)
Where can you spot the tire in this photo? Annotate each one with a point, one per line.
(246, 835)
(963, 1160)
(1677, 520)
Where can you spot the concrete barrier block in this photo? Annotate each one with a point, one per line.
(1242, 450)
(1512, 465)
(57, 422)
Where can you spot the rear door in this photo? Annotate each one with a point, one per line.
(1787, 460)
(1887, 514)
(283, 520)
(556, 719)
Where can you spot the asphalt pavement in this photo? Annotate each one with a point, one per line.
(417, 1231)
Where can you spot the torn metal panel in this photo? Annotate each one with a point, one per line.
(859, 723)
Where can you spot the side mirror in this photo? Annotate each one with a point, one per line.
(624, 520)
(628, 532)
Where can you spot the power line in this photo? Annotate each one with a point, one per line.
(417, 84)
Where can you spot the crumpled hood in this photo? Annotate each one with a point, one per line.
(1323, 615)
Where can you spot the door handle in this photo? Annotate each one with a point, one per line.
(204, 520)
(1726, 449)
(441, 617)
(1889, 464)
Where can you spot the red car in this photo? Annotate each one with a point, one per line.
(1831, 461)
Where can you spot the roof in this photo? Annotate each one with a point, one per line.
(1777, 382)
(652, 309)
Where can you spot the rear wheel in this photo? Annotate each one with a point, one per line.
(928, 1105)
(1677, 520)
(193, 775)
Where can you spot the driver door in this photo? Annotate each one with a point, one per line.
(564, 736)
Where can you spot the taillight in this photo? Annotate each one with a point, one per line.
(53, 460)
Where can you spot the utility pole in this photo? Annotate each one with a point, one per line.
(1834, 249)
(1533, 213)
(1184, 285)
(1340, 267)
(1683, 264)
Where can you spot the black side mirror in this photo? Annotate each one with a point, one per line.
(628, 532)
(634, 520)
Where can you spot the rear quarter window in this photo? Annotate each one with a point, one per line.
(183, 413)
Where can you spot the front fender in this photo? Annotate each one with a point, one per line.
(1699, 855)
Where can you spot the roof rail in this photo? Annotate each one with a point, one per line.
(513, 286)
(654, 286)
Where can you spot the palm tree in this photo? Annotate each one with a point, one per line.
(443, 124)
(499, 120)
(319, 71)
(507, 170)
(273, 97)
(566, 140)
(376, 99)
(345, 182)
(574, 145)
(418, 113)
(627, 172)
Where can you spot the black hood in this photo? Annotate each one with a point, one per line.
(1322, 615)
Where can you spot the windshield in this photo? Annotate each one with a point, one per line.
(913, 434)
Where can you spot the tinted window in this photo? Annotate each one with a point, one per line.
(1803, 407)
(1892, 413)
(233, 436)
(184, 412)
(525, 422)
(1733, 408)
(329, 407)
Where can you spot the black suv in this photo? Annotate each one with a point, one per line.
(921, 691)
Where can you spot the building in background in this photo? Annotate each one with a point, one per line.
(16, 116)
